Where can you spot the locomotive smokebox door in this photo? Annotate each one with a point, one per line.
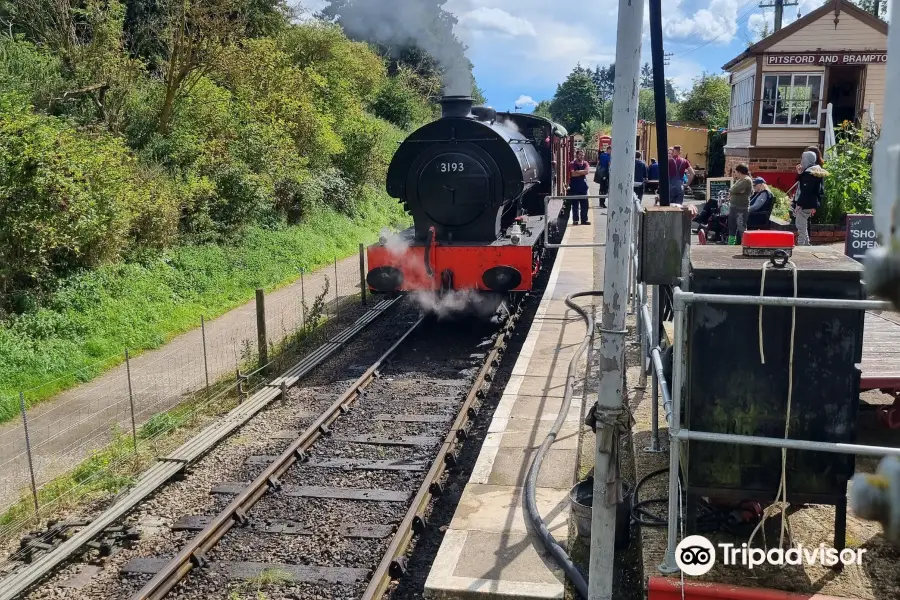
(729, 389)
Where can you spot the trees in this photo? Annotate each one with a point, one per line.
(542, 109)
(647, 76)
(576, 100)
(874, 7)
(604, 79)
(708, 101)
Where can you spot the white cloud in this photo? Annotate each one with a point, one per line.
(525, 101)
(717, 23)
(496, 20)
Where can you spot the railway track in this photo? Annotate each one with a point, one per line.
(330, 507)
(365, 470)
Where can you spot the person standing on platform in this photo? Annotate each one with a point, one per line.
(810, 193)
(739, 205)
(603, 165)
(678, 166)
(640, 175)
(653, 176)
(578, 186)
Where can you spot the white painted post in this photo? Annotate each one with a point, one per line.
(615, 295)
(883, 263)
(886, 200)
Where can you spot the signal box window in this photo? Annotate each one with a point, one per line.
(791, 100)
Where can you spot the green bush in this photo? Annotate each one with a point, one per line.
(399, 104)
(26, 69)
(69, 199)
(848, 186)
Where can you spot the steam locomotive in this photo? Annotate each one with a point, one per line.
(475, 183)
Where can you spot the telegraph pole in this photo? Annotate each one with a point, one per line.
(615, 298)
(660, 60)
(779, 7)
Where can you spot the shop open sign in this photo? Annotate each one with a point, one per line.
(861, 236)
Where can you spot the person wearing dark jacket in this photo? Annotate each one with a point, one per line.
(810, 192)
(739, 204)
(760, 204)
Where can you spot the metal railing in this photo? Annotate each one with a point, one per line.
(651, 356)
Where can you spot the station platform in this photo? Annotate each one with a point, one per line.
(488, 551)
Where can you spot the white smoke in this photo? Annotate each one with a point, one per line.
(394, 244)
(456, 303)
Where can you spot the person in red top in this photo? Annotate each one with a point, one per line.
(678, 166)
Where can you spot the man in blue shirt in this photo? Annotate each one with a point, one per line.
(652, 176)
(603, 164)
(640, 175)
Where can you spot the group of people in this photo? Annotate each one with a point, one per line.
(646, 178)
(750, 199)
(750, 195)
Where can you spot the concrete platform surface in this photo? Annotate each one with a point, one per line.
(489, 551)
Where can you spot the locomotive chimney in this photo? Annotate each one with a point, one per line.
(456, 106)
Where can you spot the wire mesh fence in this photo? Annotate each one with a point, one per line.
(96, 437)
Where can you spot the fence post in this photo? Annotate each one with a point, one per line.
(131, 401)
(302, 300)
(362, 273)
(28, 452)
(337, 298)
(205, 363)
(261, 337)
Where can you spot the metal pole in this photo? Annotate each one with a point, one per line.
(28, 452)
(205, 363)
(261, 338)
(654, 343)
(131, 401)
(362, 273)
(678, 373)
(615, 292)
(659, 99)
(779, 14)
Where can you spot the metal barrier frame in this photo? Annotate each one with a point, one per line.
(650, 349)
(547, 200)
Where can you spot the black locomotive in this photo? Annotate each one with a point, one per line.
(475, 182)
(470, 173)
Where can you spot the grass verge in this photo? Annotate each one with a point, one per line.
(113, 469)
(83, 329)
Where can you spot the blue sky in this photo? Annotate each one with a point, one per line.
(522, 49)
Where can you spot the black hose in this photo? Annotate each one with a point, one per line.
(709, 518)
(531, 511)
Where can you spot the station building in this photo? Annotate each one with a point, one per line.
(781, 87)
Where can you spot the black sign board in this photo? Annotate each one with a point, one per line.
(860, 236)
(717, 188)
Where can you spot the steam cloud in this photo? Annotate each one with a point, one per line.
(401, 23)
(460, 302)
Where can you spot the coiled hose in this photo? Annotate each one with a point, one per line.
(531, 511)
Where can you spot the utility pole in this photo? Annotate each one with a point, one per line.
(660, 60)
(779, 7)
(876, 8)
(609, 410)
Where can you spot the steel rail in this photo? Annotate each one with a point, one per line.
(167, 467)
(193, 554)
(392, 565)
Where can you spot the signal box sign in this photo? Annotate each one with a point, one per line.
(860, 236)
(828, 59)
